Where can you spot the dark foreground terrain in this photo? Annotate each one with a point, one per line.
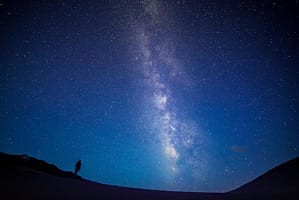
(24, 177)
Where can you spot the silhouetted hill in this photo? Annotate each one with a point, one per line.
(24, 177)
(24, 161)
(277, 182)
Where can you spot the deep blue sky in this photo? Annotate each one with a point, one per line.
(169, 95)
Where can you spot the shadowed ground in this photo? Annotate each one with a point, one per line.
(23, 177)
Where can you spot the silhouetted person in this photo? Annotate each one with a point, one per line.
(78, 166)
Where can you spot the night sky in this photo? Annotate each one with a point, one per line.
(168, 95)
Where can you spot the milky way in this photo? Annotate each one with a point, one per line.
(160, 67)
